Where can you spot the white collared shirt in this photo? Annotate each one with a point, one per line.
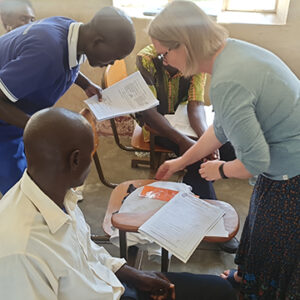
(72, 45)
(47, 254)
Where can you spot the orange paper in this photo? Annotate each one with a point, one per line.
(158, 193)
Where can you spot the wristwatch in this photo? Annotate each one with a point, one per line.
(221, 171)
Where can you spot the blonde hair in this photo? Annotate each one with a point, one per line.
(183, 22)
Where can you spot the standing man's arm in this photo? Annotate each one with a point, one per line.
(10, 114)
(88, 86)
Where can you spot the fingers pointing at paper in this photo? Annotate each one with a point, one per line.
(93, 89)
(168, 168)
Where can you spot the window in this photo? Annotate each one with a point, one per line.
(140, 3)
(250, 6)
(227, 11)
(146, 7)
(266, 12)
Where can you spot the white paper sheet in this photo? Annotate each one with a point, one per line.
(218, 230)
(180, 120)
(129, 95)
(181, 224)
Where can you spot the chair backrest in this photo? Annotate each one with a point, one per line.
(115, 72)
(91, 119)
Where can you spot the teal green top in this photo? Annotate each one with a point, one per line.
(257, 108)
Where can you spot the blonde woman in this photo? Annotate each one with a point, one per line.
(256, 99)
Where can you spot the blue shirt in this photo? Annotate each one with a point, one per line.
(34, 65)
(38, 63)
(256, 99)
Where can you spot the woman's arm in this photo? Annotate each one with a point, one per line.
(233, 169)
(207, 144)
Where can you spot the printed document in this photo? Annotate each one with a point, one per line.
(127, 96)
(181, 224)
(180, 120)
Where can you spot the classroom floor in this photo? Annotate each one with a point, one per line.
(208, 258)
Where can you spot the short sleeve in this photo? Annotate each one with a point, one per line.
(144, 63)
(219, 132)
(236, 120)
(33, 69)
(197, 87)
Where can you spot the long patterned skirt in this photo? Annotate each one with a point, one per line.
(268, 257)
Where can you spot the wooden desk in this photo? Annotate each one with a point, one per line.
(130, 222)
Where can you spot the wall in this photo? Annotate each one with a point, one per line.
(282, 40)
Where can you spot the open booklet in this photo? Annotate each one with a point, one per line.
(181, 224)
(180, 120)
(127, 96)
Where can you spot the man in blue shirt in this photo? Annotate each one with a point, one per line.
(38, 64)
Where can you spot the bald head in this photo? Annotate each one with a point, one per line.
(109, 36)
(59, 141)
(15, 13)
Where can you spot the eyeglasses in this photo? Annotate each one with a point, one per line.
(163, 56)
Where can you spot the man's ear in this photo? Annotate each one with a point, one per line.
(74, 159)
(97, 40)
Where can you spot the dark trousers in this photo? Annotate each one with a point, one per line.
(204, 189)
(227, 152)
(190, 286)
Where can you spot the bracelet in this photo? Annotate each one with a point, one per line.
(221, 171)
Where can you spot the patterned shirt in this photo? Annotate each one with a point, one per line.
(193, 91)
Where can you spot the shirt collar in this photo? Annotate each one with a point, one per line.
(72, 45)
(51, 212)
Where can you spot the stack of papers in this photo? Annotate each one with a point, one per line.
(127, 96)
(181, 224)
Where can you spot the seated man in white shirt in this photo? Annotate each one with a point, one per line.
(46, 251)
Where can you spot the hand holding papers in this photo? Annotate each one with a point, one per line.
(181, 224)
(127, 96)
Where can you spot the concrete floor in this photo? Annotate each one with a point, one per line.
(208, 258)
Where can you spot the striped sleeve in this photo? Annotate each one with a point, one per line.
(7, 92)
